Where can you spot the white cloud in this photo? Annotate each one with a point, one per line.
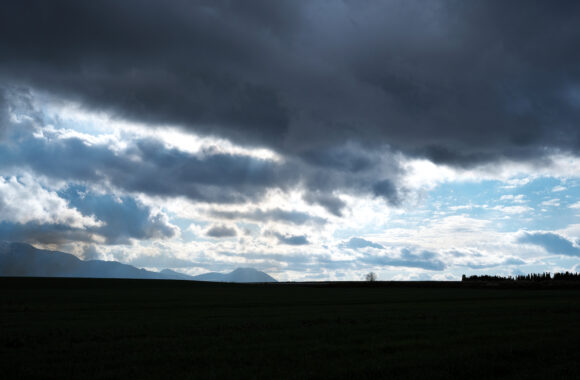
(22, 200)
(552, 202)
(520, 198)
(558, 188)
(99, 128)
(196, 229)
(424, 174)
(512, 209)
(462, 207)
(516, 182)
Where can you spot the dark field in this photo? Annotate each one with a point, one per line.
(74, 328)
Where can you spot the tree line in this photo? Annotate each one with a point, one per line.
(566, 276)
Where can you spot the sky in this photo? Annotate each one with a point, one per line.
(313, 140)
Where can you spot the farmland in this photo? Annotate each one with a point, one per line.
(92, 328)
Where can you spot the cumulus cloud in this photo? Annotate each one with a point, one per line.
(513, 209)
(221, 231)
(75, 214)
(293, 240)
(555, 202)
(356, 243)
(288, 239)
(125, 218)
(23, 201)
(510, 261)
(553, 243)
(161, 261)
(407, 258)
(520, 198)
(269, 215)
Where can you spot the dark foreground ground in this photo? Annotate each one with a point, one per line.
(78, 328)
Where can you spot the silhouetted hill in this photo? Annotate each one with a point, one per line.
(168, 273)
(238, 275)
(23, 260)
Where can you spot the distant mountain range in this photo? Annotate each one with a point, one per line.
(23, 260)
(238, 275)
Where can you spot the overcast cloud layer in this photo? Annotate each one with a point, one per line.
(317, 138)
(459, 82)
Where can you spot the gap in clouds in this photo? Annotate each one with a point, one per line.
(132, 211)
(316, 140)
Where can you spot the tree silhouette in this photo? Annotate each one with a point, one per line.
(371, 277)
(531, 277)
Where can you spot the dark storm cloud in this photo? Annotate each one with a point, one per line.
(551, 242)
(4, 115)
(179, 62)
(458, 82)
(150, 168)
(271, 215)
(387, 190)
(32, 232)
(323, 180)
(339, 158)
(329, 202)
(221, 231)
(147, 166)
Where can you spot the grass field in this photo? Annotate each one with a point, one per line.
(81, 328)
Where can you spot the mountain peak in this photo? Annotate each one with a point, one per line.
(250, 275)
(245, 270)
(237, 275)
(21, 259)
